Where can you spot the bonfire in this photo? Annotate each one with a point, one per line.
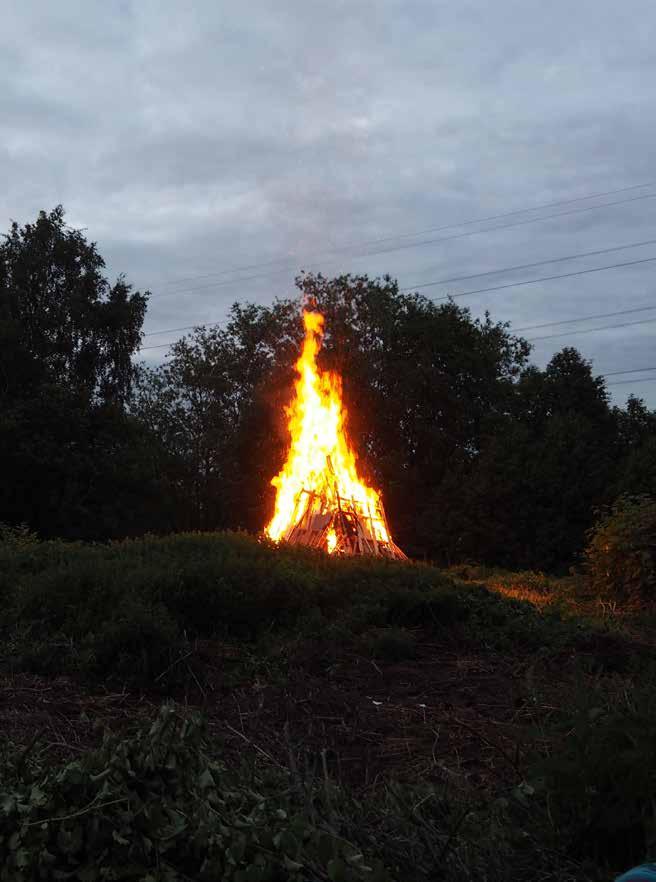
(321, 501)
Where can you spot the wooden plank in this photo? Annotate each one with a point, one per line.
(354, 524)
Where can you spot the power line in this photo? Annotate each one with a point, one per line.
(420, 244)
(184, 328)
(158, 346)
(521, 266)
(636, 380)
(583, 318)
(584, 272)
(506, 269)
(632, 371)
(592, 330)
(515, 331)
(610, 374)
(424, 232)
(492, 217)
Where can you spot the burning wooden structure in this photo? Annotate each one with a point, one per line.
(341, 526)
(321, 501)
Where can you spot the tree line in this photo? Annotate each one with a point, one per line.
(480, 455)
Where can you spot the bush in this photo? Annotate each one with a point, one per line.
(159, 806)
(620, 559)
(600, 779)
(156, 807)
(140, 645)
(19, 537)
(125, 609)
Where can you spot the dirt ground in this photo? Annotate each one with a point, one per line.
(445, 712)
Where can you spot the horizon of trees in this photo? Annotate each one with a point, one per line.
(480, 455)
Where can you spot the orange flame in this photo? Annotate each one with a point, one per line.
(320, 458)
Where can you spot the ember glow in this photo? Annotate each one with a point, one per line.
(320, 499)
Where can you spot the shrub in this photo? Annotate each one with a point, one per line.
(600, 778)
(19, 537)
(158, 805)
(620, 559)
(155, 806)
(123, 609)
(139, 645)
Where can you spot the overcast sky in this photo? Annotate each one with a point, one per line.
(200, 139)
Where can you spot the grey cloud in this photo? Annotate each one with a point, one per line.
(192, 138)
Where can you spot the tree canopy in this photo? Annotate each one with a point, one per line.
(68, 451)
(480, 455)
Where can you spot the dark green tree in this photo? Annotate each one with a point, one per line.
(530, 495)
(479, 455)
(636, 473)
(73, 463)
(422, 384)
(61, 323)
(213, 405)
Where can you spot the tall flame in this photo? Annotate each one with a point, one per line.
(320, 458)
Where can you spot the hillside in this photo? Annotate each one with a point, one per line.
(332, 708)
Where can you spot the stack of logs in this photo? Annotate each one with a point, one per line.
(342, 526)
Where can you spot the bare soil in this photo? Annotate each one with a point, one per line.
(446, 712)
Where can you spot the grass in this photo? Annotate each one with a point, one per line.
(127, 610)
(571, 598)
(460, 725)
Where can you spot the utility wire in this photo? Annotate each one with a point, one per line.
(584, 272)
(636, 380)
(158, 346)
(605, 375)
(184, 328)
(608, 374)
(424, 232)
(506, 269)
(583, 318)
(632, 371)
(515, 331)
(521, 266)
(228, 282)
(591, 330)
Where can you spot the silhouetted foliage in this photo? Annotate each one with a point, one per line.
(480, 455)
(529, 496)
(61, 323)
(620, 558)
(74, 464)
(126, 610)
(421, 382)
